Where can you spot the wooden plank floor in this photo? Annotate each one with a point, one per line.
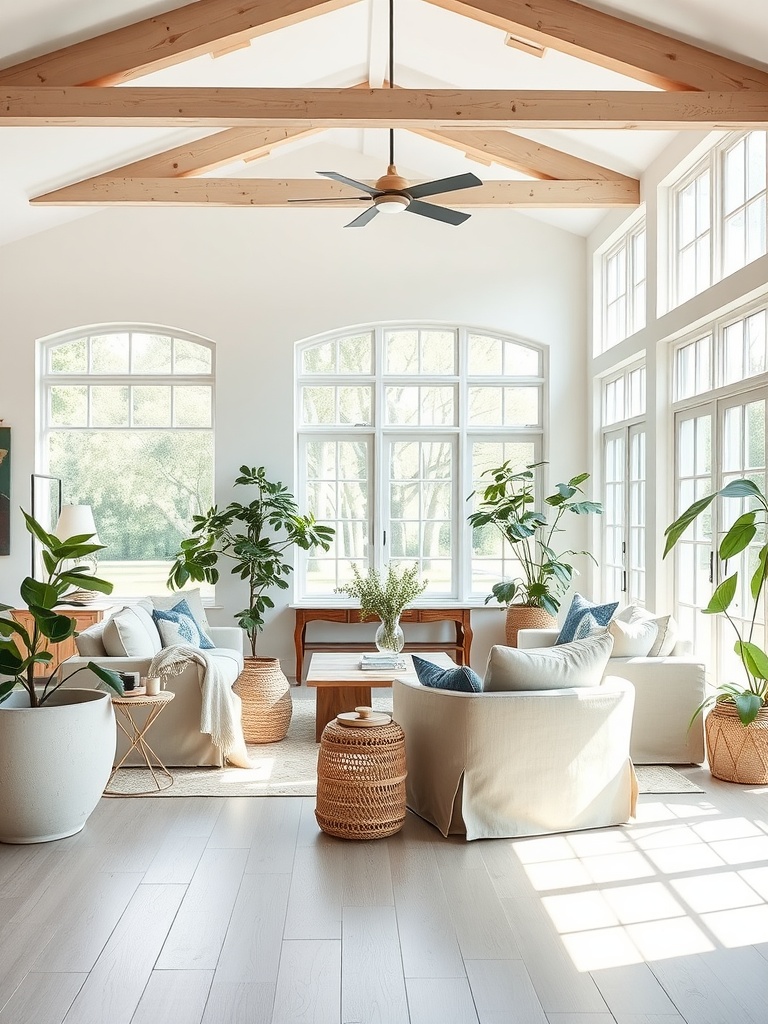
(227, 911)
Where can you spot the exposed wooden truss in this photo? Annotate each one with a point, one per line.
(272, 192)
(706, 91)
(380, 108)
(641, 53)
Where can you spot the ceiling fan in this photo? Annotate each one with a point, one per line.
(393, 193)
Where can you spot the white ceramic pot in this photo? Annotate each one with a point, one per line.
(54, 763)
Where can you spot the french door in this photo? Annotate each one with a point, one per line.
(623, 518)
(718, 442)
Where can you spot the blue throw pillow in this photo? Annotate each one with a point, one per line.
(580, 606)
(178, 625)
(460, 678)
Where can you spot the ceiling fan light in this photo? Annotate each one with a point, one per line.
(391, 204)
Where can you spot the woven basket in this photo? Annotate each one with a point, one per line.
(266, 696)
(736, 752)
(523, 616)
(361, 781)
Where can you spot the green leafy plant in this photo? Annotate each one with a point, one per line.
(21, 650)
(256, 537)
(751, 698)
(387, 597)
(507, 505)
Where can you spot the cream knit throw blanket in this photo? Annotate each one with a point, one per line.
(221, 706)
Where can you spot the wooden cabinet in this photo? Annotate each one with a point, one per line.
(83, 616)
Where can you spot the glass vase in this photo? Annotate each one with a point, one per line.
(389, 637)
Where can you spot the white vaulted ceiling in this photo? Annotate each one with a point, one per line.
(434, 48)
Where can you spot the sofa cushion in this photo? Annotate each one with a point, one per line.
(164, 602)
(666, 627)
(579, 663)
(129, 634)
(460, 678)
(178, 625)
(90, 643)
(580, 607)
(632, 639)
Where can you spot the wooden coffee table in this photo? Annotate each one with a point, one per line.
(342, 685)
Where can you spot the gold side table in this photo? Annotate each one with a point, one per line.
(136, 735)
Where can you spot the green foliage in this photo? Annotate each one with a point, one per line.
(20, 649)
(255, 537)
(506, 506)
(749, 699)
(384, 598)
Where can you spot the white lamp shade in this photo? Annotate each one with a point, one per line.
(75, 520)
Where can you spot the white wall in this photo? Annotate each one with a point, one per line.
(256, 281)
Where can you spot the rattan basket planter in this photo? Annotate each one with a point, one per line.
(525, 616)
(736, 752)
(361, 781)
(266, 696)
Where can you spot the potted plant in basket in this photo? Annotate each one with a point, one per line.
(256, 538)
(736, 727)
(385, 598)
(533, 598)
(56, 745)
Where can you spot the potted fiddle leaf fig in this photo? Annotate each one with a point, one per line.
(507, 505)
(56, 744)
(736, 727)
(256, 537)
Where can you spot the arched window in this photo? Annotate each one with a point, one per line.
(396, 424)
(127, 423)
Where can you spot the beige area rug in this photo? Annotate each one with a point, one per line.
(289, 768)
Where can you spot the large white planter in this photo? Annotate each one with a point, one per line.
(54, 763)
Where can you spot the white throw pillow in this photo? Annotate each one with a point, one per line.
(90, 643)
(574, 664)
(667, 630)
(633, 639)
(126, 635)
(164, 602)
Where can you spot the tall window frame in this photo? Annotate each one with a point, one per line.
(477, 425)
(155, 386)
(622, 291)
(718, 215)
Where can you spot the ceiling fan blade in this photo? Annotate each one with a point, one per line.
(350, 181)
(436, 212)
(432, 188)
(362, 220)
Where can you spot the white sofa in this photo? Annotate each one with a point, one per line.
(667, 692)
(175, 736)
(518, 763)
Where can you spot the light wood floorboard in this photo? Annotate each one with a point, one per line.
(215, 911)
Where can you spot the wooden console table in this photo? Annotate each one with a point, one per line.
(459, 647)
(84, 616)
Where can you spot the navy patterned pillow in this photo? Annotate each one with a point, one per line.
(460, 678)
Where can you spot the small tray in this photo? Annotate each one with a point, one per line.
(137, 691)
(364, 718)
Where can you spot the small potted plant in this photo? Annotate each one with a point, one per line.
(386, 598)
(533, 598)
(56, 744)
(736, 727)
(256, 538)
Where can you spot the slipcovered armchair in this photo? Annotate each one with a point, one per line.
(518, 763)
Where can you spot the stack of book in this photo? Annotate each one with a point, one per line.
(381, 661)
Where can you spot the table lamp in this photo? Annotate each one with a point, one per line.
(76, 520)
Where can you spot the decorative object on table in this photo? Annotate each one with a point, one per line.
(371, 661)
(385, 598)
(75, 521)
(256, 538)
(5, 489)
(56, 746)
(736, 727)
(136, 734)
(533, 598)
(361, 776)
(461, 678)
(151, 685)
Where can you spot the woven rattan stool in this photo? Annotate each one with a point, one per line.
(361, 776)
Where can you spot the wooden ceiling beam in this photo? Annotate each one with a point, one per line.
(380, 108)
(264, 192)
(520, 154)
(610, 42)
(160, 42)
